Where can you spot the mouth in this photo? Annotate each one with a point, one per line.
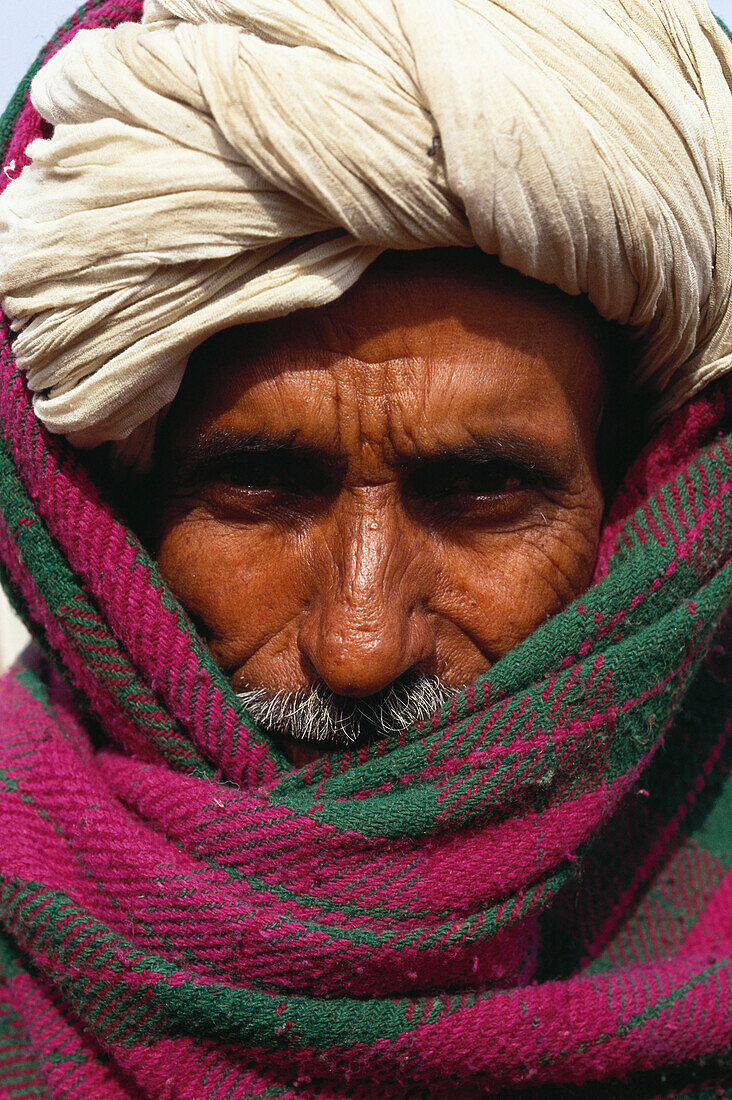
(300, 752)
(310, 723)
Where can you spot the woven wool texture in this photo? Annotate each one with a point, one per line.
(531, 891)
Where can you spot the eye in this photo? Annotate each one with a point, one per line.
(266, 479)
(488, 479)
(253, 471)
(476, 480)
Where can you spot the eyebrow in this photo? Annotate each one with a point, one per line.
(499, 446)
(206, 449)
(502, 446)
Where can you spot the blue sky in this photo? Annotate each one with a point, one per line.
(34, 21)
(723, 8)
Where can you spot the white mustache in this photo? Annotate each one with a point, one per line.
(317, 714)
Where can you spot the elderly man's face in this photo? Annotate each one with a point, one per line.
(403, 482)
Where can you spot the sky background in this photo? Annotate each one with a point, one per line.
(34, 21)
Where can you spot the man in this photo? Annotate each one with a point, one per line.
(401, 484)
(389, 757)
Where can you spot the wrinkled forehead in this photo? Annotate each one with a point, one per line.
(444, 334)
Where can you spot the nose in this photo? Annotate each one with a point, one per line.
(366, 624)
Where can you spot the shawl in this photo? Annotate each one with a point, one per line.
(531, 891)
(309, 135)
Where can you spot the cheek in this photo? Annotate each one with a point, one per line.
(240, 585)
(501, 587)
(247, 588)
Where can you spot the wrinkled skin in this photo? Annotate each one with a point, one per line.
(433, 493)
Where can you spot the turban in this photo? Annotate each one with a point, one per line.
(228, 161)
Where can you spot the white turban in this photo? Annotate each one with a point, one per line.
(233, 160)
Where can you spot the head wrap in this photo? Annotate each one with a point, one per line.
(233, 160)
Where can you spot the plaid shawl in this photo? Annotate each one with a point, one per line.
(529, 892)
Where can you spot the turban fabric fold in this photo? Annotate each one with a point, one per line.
(229, 161)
